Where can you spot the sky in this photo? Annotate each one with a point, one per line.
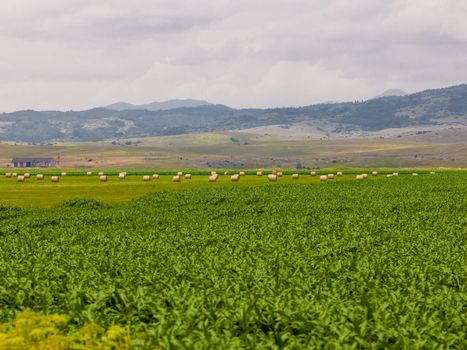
(79, 54)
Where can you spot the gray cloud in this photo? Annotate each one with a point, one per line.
(82, 53)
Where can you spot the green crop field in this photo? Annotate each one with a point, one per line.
(375, 264)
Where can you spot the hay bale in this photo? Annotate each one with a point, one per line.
(146, 178)
(188, 176)
(295, 176)
(360, 177)
(100, 173)
(374, 173)
(323, 178)
(226, 173)
(55, 179)
(155, 176)
(63, 174)
(27, 175)
(365, 176)
(395, 174)
(20, 178)
(279, 174)
(213, 178)
(14, 174)
(389, 175)
(122, 176)
(180, 173)
(235, 178)
(176, 178)
(414, 174)
(39, 177)
(259, 173)
(103, 178)
(241, 173)
(213, 173)
(432, 173)
(339, 173)
(272, 177)
(331, 176)
(313, 173)
(8, 175)
(89, 173)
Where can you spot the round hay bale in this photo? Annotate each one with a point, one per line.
(155, 176)
(279, 174)
(63, 174)
(414, 174)
(14, 174)
(259, 173)
(100, 173)
(27, 175)
(235, 178)
(122, 176)
(339, 173)
(176, 178)
(39, 177)
(103, 178)
(331, 176)
(272, 177)
(395, 174)
(55, 179)
(213, 173)
(213, 178)
(89, 173)
(8, 175)
(295, 176)
(432, 173)
(365, 176)
(180, 173)
(188, 176)
(323, 178)
(241, 173)
(146, 178)
(374, 173)
(313, 173)
(20, 178)
(360, 177)
(389, 175)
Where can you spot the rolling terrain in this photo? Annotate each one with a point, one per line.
(428, 111)
(241, 150)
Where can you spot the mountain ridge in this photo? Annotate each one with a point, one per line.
(158, 106)
(430, 108)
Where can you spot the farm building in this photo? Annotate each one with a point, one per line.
(33, 162)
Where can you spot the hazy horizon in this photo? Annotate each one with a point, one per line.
(81, 54)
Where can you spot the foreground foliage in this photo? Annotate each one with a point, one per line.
(33, 331)
(376, 264)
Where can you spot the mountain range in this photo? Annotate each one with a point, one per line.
(444, 107)
(158, 106)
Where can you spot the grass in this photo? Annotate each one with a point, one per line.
(374, 264)
(75, 185)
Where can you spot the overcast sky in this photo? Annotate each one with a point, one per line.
(77, 54)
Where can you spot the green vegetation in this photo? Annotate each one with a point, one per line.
(75, 185)
(369, 264)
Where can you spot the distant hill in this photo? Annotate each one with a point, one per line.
(391, 93)
(440, 107)
(158, 106)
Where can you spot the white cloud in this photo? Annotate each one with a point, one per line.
(83, 53)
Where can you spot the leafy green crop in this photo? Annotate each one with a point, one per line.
(370, 264)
